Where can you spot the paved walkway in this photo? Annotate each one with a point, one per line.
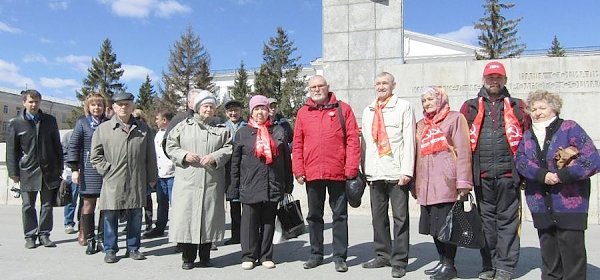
(68, 260)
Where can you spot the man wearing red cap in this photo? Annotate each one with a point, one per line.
(497, 122)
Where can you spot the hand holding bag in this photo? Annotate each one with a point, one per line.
(463, 228)
(290, 216)
(63, 194)
(355, 188)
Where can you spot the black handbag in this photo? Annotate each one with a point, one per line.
(290, 216)
(355, 188)
(463, 228)
(62, 195)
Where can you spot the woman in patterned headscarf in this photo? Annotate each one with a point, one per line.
(443, 171)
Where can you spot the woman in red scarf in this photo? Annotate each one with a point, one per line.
(261, 172)
(443, 171)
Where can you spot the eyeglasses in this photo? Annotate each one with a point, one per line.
(314, 87)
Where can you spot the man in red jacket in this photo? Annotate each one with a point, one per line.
(324, 157)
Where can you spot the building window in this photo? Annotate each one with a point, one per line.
(6, 109)
(4, 126)
(64, 117)
(18, 111)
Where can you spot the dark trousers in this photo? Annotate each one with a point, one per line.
(148, 211)
(338, 202)
(382, 194)
(31, 228)
(235, 212)
(257, 229)
(189, 251)
(563, 253)
(499, 201)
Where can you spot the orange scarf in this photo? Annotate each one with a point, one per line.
(378, 132)
(265, 145)
(512, 127)
(433, 138)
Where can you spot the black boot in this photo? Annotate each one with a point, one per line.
(434, 269)
(100, 235)
(447, 271)
(87, 221)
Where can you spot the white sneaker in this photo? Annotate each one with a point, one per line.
(268, 264)
(69, 229)
(247, 265)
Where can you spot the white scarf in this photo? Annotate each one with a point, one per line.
(539, 129)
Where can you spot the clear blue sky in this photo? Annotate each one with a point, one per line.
(48, 45)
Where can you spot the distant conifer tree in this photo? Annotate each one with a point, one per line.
(146, 100)
(278, 76)
(104, 74)
(241, 90)
(556, 50)
(189, 65)
(498, 37)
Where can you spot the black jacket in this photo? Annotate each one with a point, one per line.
(492, 158)
(252, 180)
(35, 155)
(79, 154)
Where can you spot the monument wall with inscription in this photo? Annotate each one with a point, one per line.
(364, 37)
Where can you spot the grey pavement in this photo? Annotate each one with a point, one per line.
(69, 261)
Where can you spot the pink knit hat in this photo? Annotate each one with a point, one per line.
(258, 100)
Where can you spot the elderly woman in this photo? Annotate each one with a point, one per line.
(200, 152)
(261, 171)
(443, 171)
(557, 158)
(84, 174)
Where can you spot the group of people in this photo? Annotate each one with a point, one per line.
(495, 145)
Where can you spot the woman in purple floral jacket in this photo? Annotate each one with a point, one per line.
(557, 195)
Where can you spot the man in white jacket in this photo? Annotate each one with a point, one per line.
(388, 149)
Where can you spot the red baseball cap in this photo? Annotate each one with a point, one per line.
(494, 67)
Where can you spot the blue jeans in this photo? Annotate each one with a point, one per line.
(111, 229)
(72, 205)
(164, 188)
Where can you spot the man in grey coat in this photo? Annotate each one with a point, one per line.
(123, 153)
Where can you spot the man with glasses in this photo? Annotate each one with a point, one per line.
(324, 157)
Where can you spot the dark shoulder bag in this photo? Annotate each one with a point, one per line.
(355, 188)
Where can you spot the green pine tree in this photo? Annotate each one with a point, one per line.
(278, 74)
(241, 90)
(188, 68)
(556, 50)
(104, 74)
(498, 37)
(146, 97)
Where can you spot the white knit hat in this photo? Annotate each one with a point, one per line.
(202, 98)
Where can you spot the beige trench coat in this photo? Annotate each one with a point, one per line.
(127, 163)
(198, 204)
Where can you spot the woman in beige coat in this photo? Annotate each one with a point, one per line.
(200, 152)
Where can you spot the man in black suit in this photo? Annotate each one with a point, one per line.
(34, 158)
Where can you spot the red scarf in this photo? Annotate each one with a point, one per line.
(378, 131)
(265, 145)
(512, 127)
(433, 138)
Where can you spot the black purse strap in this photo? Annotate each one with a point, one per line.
(342, 120)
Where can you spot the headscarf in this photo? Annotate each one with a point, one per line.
(265, 146)
(433, 138)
